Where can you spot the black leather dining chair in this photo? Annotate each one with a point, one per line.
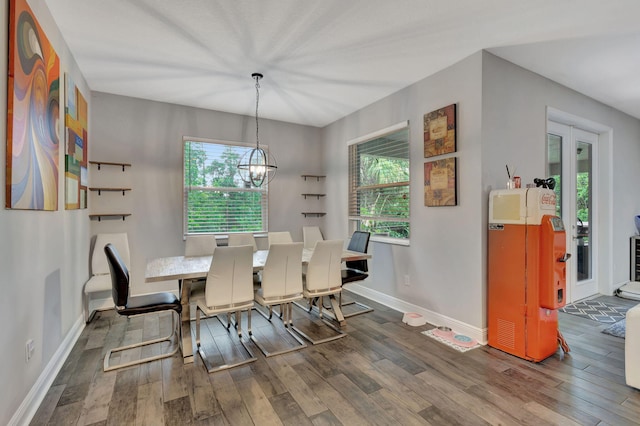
(356, 270)
(138, 305)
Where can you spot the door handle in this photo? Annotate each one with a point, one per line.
(564, 258)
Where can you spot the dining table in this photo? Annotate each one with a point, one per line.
(185, 269)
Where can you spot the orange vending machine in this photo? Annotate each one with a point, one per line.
(526, 272)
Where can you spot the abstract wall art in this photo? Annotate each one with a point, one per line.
(75, 156)
(32, 114)
(440, 131)
(440, 183)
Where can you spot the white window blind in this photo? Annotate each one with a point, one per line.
(216, 200)
(379, 184)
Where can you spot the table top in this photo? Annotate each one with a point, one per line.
(188, 267)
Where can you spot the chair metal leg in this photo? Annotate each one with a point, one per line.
(238, 325)
(288, 324)
(339, 333)
(365, 309)
(174, 326)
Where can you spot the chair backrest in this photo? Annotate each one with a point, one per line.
(282, 273)
(325, 266)
(200, 245)
(360, 243)
(99, 265)
(310, 235)
(119, 276)
(230, 277)
(242, 239)
(279, 237)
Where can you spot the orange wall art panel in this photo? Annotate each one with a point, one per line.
(32, 114)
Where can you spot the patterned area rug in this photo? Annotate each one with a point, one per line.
(618, 329)
(456, 341)
(596, 310)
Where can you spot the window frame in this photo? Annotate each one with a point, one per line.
(354, 221)
(264, 189)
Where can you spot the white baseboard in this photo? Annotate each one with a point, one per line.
(480, 334)
(39, 390)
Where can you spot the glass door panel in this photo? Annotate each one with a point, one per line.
(570, 161)
(584, 178)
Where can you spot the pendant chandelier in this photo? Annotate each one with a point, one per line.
(257, 166)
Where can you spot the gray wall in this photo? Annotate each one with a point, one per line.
(514, 132)
(444, 261)
(149, 134)
(502, 113)
(43, 255)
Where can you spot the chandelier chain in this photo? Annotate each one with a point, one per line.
(257, 102)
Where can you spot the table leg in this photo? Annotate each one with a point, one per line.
(187, 345)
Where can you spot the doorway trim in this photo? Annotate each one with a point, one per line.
(604, 180)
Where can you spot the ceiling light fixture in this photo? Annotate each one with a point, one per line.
(257, 166)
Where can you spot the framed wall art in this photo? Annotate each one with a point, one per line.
(440, 183)
(32, 114)
(75, 156)
(440, 131)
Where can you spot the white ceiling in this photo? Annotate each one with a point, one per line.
(323, 59)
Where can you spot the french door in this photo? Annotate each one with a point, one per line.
(571, 161)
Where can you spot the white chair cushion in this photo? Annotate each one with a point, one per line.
(632, 347)
(311, 235)
(324, 271)
(200, 245)
(98, 283)
(242, 239)
(99, 263)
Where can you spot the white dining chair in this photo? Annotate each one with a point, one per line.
(100, 280)
(323, 278)
(281, 285)
(242, 239)
(310, 235)
(279, 237)
(229, 289)
(200, 245)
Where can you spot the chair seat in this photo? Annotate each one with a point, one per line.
(213, 310)
(266, 301)
(323, 292)
(98, 283)
(148, 303)
(350, 275)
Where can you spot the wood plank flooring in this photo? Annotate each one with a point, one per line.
(383, 373)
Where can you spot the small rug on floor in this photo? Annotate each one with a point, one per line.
(458, 342)
(618, 329)
(596, 310)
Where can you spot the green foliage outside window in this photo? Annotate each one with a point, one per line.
(216, 199)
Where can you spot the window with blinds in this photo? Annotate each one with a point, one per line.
(216, 200)
(379, 183)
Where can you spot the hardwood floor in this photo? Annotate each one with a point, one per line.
(384, 372)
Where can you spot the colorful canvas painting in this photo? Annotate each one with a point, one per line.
(440, 131)
(32, 114)
(440, 183)
(75, 167)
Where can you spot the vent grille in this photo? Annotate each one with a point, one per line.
(506, 334)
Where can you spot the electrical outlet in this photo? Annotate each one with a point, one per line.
(29, 349)
(407, 282)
